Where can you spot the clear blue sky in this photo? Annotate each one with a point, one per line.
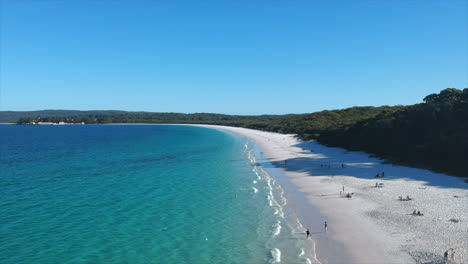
(234, 57)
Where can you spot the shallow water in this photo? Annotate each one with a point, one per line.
(140, 194)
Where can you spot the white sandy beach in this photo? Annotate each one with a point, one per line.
(373, 226)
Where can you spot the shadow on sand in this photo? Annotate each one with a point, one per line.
(326, 161)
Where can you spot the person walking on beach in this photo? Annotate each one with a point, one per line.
(445, 256)
(325, 226)
(307, 233)
(343, 188)
(452, 255)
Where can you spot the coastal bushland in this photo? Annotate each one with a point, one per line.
(432, 134)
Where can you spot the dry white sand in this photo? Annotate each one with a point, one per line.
(373, 226)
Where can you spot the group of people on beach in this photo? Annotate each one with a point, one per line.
(449, 255)
(328, 166)
(347, 195)
(325, 225)
(380, 175)
(418, 213)
(378, 185)
(407, 198)
(451, 251)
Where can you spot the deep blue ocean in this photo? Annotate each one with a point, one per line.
(139, 194)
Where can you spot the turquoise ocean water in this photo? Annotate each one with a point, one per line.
(140, 194)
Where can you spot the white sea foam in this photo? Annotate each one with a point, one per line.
(302, 256)
(275, 255)
(281, 229)
(277, 228)
(301, 253)
(281, 195)
(278, 210)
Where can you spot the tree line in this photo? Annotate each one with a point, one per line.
(432, 134)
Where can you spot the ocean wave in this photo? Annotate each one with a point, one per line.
(278, 210)
(270, 200)
(277, 228)
(302, 255)
(282, 225)
(282, 197)
(275, 255)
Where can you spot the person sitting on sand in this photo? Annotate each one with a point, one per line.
(407, 197)
(419, 213)
(414, 212)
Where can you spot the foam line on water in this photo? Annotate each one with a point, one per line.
(283, 223)
(277, 228)
(275, 256)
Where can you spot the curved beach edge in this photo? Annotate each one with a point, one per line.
(372, 226)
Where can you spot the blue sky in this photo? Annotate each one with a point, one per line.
(234, 57)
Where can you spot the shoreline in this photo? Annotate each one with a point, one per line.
(372, 226)
(325, 249)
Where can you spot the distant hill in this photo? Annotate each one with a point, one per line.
(14, 116)
(114, 116)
